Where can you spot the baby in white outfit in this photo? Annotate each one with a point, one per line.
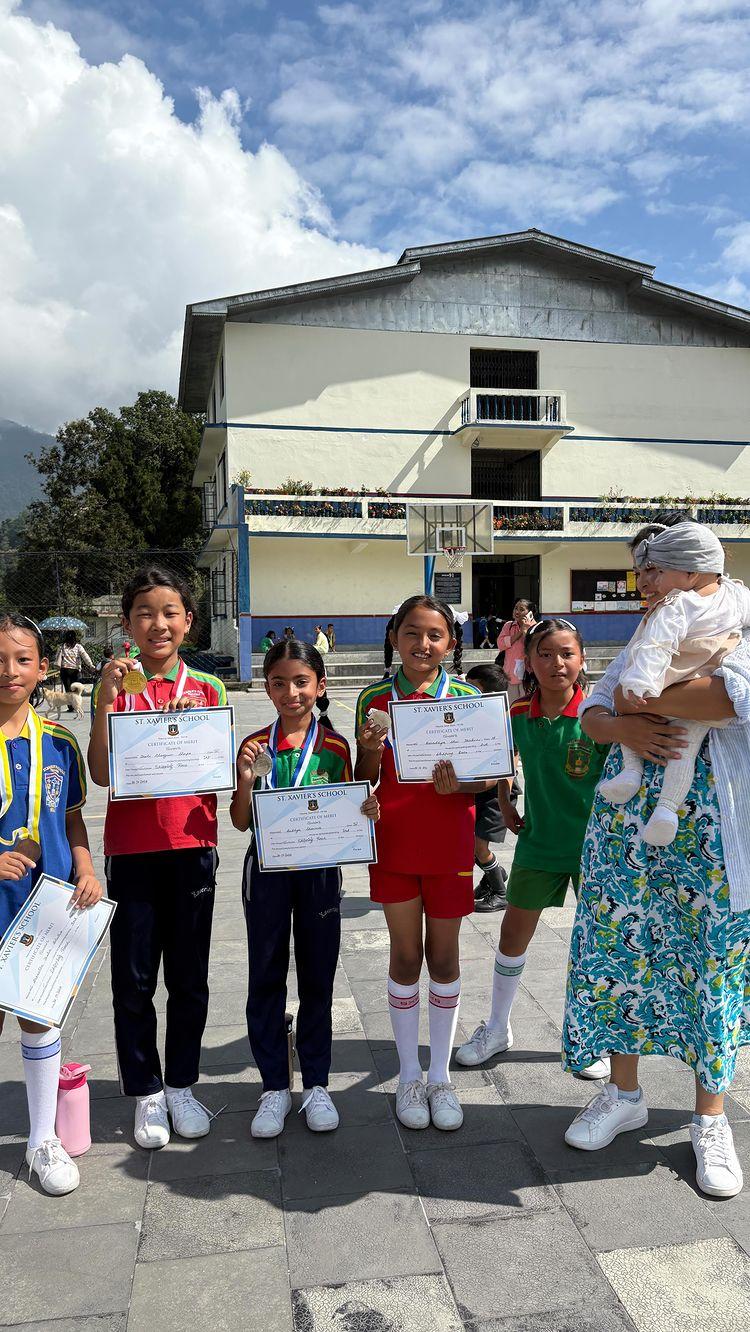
(686, 635)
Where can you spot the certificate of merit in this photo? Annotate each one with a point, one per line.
(309, 827)
(474, 733)
(46, 952)
(153, 754)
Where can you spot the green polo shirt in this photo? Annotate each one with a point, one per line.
(330, 761)
(561, 768)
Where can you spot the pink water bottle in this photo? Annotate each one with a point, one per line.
(73, 1123)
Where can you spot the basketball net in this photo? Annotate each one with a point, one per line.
(454, 556)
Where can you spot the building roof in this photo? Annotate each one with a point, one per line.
(204, 320)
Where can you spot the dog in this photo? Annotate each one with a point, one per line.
(58, 699)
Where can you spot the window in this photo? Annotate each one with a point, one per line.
(505, 474)
(222, 382)
(208, 503)
(212, 416)
(223, 582)
(221, 482)
(492, 368)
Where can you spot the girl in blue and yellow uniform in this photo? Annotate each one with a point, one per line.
(42, 793)
(302, 751)
(425, 868)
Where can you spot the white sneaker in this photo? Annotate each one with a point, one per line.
(151, 1122)
(50, 1161)
(268, 1120)
(718, 1170)
(445, 1110)
(603, 1118)
(661, 828)
(412, 1107)
(320, 1112)
(599, 1069)
(189, 1117)
(483, 1044)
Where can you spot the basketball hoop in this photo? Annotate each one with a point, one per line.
(454, 556)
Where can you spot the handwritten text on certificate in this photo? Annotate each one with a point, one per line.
(474, 733)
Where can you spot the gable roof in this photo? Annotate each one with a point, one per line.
(204, 320)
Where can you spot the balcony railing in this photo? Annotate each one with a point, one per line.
(208, 504)
(564, 520)
(513, 407)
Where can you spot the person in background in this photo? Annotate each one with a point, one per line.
(510, 642)
(331, 636)
(107, 655)
(321, 642)
(489, 894)
(289, 631)
(70, 655)
(493, 628)
(267, 641)
(480, 632)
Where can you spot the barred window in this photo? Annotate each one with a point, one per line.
(208, 503)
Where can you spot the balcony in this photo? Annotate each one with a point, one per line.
(513, 418)
(361, 517)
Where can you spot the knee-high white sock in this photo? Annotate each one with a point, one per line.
(505, 982)
(444, 1001)
(41, 1069)
(403, 1006)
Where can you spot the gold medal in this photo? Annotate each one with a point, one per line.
(28, 847)
(134, 682)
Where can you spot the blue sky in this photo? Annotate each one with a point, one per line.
(284, 140)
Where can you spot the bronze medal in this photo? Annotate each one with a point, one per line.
(28, 847)
(134, 682)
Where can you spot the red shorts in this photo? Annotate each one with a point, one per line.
(444, 896)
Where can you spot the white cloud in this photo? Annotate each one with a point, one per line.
(114, 214)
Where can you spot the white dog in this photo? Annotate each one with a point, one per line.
(58, 699)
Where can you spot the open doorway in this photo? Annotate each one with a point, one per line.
(499, 580)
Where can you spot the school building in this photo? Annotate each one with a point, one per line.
(540, 397)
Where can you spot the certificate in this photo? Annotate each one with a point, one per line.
(474, 733)
(309, 827)
(154, 754)
(47, 950)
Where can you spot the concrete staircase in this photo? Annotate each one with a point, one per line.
(356, 667)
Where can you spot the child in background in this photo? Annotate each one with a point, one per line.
(489, 894)
(161, 871)
(300, 751)
(425, 841)
(267, 641)
(331, 636)
(321, 643)
(43, 790)
(561, 768)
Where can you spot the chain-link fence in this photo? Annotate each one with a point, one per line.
(87, 585)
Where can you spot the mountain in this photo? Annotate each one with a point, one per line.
(20, 482)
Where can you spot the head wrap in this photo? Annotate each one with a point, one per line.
(690, 547)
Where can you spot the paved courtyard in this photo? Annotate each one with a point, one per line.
(373, 1228)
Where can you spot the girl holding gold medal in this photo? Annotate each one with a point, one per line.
(161, 870)
(42, 792)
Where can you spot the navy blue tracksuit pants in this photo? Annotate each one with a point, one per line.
(307, 902)
(165, 907)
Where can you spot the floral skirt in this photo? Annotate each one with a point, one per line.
(658, 962)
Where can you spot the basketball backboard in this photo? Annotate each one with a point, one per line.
(431, 528)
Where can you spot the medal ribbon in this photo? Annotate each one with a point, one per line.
(179, 689)
(444, 685)
(34, 808)
(305, 755)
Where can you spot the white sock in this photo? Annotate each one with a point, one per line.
(40, 1051)
(444, 1001)
(403, 1006)
(506, 979)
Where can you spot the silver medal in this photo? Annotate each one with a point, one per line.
(263, 764)
(379, 719)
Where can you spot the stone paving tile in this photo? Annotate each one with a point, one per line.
(480, 1181)
(409, 1304)
(227, 1148)
(603, 1318)
(347, 1161)
(703, 1286)
(212, 1214)
(733, 1214)
(112, 1189)
(66, 1273)
(224, 1292)
(355, 1238)
(486, 1119)
(643, 1207)
(104, 1323)
(535, 1262)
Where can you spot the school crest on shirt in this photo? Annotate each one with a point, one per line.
(53, 785)
(578, 758)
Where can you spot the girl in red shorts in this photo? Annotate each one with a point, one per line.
(425, 841)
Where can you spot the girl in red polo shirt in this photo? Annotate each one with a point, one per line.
(425, 841)
(161, 870)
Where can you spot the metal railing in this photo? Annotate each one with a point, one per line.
(512, 407)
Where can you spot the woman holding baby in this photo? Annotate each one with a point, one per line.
(660, 953)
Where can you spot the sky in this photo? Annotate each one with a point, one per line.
(158, 155)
